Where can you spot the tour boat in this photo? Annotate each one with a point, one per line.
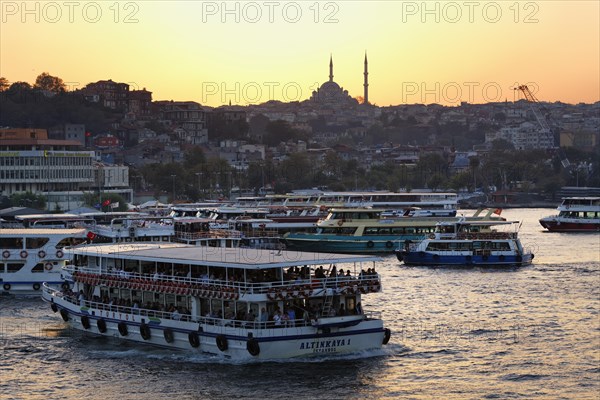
(468, 243)
(241, 304)
(32, 256)
(369, 230)
(576, 214)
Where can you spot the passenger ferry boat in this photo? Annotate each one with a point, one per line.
(242, 304)
(576, 214)
(465, 243)
(366, 230)
(32, 256)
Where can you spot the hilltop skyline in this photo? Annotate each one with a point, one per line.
(249, 53)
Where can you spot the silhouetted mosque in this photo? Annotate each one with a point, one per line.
(332, 94)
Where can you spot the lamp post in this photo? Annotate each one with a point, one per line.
(173, 179)
(199, 175)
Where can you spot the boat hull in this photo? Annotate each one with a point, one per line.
(346, 244)
(431, 259)
(554, 225)
(242, 343)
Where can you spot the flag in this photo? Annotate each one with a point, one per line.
(91, 235)
(106, 202)
(114, 205)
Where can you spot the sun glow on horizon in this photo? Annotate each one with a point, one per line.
(252, 52)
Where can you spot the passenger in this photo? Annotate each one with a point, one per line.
(291, 316)
(342, 310)
(277, 319)
(285, 319)
(176, 315)
(81, 298)
(264, 316)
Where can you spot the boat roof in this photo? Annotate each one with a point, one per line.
(41, 232)
(245, 258)
(486, 222)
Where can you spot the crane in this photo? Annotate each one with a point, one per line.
(545, 131)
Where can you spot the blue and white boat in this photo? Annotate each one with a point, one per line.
(241, 304)
(468, 243)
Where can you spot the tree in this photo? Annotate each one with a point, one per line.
(4, 85)
(45, 81)
(28, 199)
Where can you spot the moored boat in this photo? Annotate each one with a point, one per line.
(242, 304)
(575, 214)
(32, 256)
(464, 243)
(369, 230)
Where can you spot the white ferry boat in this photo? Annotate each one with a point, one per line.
(242, 304)
(575, 214)
(32, 256)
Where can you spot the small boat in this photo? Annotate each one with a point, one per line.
(236, 303)
(575, 214)
(465, 243)
(32, 256)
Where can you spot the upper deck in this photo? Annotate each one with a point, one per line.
(244, 258)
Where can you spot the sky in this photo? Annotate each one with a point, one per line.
(249, 52)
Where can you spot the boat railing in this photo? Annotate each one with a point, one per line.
(86, 305)
(486, 235)
(224, 288)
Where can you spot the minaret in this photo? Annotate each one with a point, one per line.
(330, 68)
(366, 84)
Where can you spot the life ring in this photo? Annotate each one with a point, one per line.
(41, 254)
(370, 244)
(123, 328)
(64, 314)
(6, 254)
(7, 286)
(23, 254)
(36, 286)
(85, 322)
(54, 307)
(101, 324)
(340, 222)
(386, 336)
(389, 244)
(253, 347)
(145, 331)
(48, 266)
(222, 342)
(168, 334)
(431, 236)
(194, 339)
(59, 254)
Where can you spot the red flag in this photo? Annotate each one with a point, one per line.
(106, 202)
(91, 235)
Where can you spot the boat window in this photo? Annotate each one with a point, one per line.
(39, 267)
(12, 243)
(35, 243)
(397, 231)
(14, 267)
(69, 242)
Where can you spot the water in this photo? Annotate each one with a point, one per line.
(530, 332)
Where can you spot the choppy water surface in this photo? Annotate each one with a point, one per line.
(531, 332)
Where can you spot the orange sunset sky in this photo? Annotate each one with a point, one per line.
(251, 52)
